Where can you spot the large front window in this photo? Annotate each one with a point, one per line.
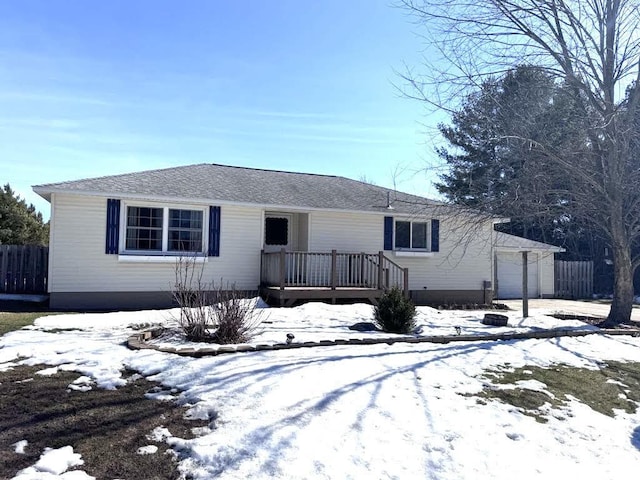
(144, 228)
(185, 230)
(411, 235)
(168, 230)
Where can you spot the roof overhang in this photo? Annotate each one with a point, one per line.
(550, 249)
(46, 192)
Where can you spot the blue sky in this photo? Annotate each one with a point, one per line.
(92, 88)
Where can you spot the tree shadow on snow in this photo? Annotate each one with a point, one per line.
(270, 436)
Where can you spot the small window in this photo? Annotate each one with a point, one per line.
(185, 230)
(276, 231)
(144, 228)
(403, 234)
(419, 235)
(411, 235)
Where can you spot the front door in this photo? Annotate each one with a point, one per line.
(277, 232)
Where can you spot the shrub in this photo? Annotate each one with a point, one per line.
(236, 317)
(208, 313)
(395, 313)
(190, 294)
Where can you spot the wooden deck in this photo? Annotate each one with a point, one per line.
(291, 295)
(290, 277)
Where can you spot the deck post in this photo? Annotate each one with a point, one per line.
(405, 282)
(363, 282)
(380, 270)
(262, 267)
(283, 266)
(525, 285)
(334, 270)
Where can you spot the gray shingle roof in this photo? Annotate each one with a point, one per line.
(519, 243)
(212, 182)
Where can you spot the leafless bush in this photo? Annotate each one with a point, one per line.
(190, 293)
(236, 317)
(210, 313)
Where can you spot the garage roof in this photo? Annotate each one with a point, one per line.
(513, 243)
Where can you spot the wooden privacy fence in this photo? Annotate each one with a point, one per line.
(574, 279)
(23, 269)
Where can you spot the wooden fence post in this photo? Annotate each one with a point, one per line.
(380, 270)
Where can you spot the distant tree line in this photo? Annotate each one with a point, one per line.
(20, 224)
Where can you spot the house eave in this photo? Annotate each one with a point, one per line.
(529, 249)
(46, 193)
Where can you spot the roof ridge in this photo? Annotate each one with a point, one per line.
(215, 180)
(274, 170)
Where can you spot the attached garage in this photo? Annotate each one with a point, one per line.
(508, 267)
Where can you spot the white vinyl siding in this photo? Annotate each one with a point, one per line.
(79, 264)
(346, 232)
(463, 262)
(547, 274)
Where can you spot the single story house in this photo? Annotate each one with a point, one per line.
(115, 241)
(508, 267)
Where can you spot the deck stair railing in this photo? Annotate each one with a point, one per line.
(333, 270)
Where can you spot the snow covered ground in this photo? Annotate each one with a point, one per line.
(349, 412)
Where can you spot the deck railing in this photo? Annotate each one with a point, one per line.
(332, 270)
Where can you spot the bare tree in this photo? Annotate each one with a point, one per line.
(593, 46)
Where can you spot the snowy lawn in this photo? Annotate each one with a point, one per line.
(380, 411)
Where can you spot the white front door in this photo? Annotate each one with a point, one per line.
(277, 232)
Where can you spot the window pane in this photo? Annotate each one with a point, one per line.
(419, 235)
(403, 234)
(144, 228)
(276, 231)
(185, 230)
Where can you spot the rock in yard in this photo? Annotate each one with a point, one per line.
(364, 327)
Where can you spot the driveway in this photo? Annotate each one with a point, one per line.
(593, 308)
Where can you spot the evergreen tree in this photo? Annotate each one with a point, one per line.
(493, 166)
(592, 48)
(493, 161)
(20, 224)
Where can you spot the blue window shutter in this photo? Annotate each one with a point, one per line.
(435, 235)
(388, 233)
(214, 231)
(113, 227)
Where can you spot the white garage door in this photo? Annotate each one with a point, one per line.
(510, 275)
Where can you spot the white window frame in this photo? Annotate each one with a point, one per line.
(153, 255)
(427, 224)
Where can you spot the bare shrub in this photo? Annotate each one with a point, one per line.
(236, 317)
(189, 292)
(209, 313)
